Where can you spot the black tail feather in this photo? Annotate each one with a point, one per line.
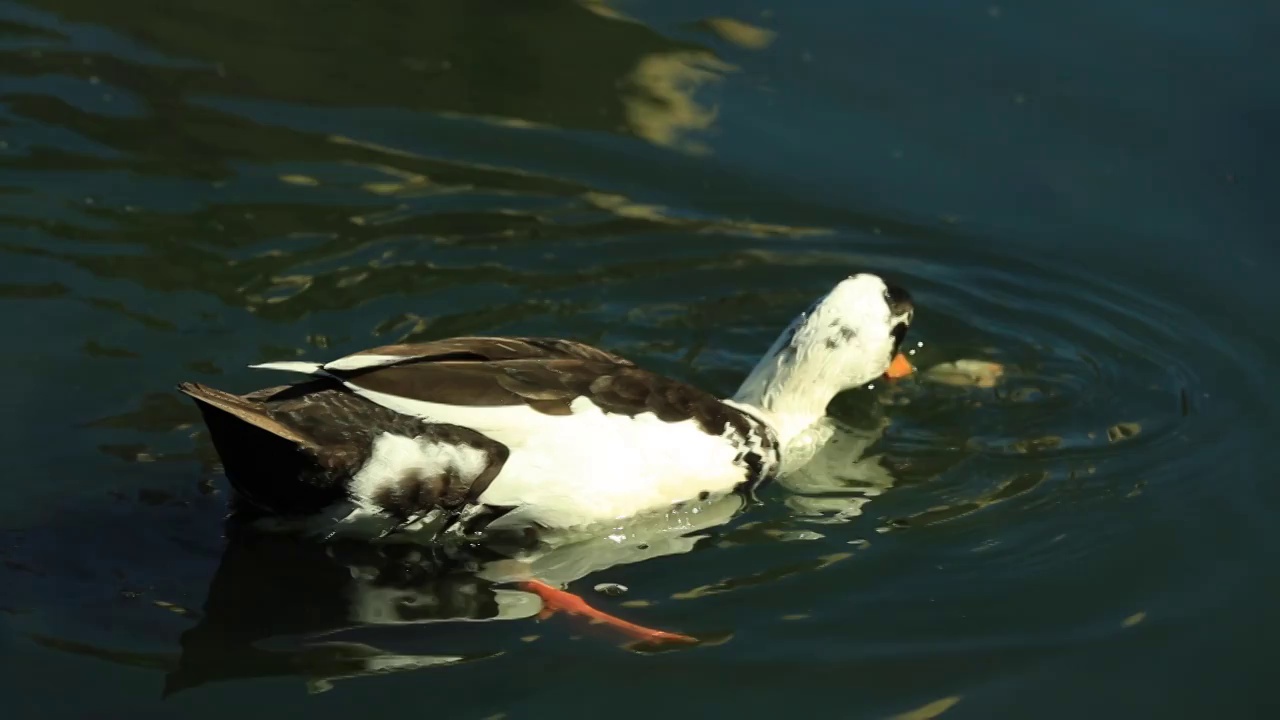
(271, 465)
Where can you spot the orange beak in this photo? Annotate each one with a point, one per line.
(900, 367)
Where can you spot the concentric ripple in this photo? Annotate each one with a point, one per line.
(1103, 396)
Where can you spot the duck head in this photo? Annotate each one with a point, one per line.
(846, 339)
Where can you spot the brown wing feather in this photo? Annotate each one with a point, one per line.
(462, 349)
(246, 409)
(548, 385)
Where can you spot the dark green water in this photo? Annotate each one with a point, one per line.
(1081, 191)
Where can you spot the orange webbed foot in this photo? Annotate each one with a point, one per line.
(556, 600)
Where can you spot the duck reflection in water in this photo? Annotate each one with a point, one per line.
(286, 605)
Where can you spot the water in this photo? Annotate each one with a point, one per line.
(1078, 191)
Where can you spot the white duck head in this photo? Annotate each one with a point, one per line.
(846, 339)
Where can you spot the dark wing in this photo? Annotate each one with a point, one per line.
(477, 349)
(548, 385)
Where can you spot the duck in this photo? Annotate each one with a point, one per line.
(464, 435)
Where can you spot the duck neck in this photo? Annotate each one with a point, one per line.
(790, 391)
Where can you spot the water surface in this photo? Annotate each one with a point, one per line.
(1081, 192)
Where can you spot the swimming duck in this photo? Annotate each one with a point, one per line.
(495, 432)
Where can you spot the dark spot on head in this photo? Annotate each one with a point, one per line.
(704, 495)
(842, 335)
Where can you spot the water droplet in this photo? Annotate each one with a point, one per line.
(611, 589)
